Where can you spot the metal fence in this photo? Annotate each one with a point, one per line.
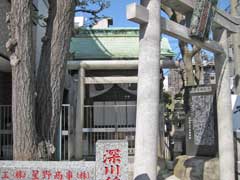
(102, 121)
(63, 144)
(6, 139)
(109, 121)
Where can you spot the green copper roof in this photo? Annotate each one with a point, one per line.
(112, 43)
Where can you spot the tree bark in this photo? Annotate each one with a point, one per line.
(34, 127)
(36, 111)
(61, 36)
(187, 58)
(187, 54)
(43, 104)
(23, 86)
(198, 68)
(52, 67)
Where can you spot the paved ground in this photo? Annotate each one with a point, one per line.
(164, 174)
(172, 178)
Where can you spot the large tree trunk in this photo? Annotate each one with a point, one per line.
(189, 69)
(198, 68)
(23, 87)
(52, 68)
(31, 138)
(187, 54)
(43, 104)
(61, 36)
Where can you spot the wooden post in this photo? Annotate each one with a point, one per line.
(80, 115)
(224, 112)
(145, 162)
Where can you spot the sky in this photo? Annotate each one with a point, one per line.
(117, 11)
(223, 4)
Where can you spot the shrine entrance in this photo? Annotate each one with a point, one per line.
(109, 114)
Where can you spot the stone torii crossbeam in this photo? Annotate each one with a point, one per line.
(148, 16)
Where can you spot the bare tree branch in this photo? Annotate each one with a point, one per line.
(195, 50)
(84, 7)
(198, 67)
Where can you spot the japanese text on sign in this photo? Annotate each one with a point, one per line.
(112, 161)
(45, 175)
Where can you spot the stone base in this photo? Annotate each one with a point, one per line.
(196, 168)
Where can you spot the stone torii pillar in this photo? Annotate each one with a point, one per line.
(148, 15)
(236, 49)
(80, 115)
(224, 111)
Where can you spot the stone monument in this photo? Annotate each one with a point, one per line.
(45, 170)
(112, 160)
(201, 124)
(111, 164)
